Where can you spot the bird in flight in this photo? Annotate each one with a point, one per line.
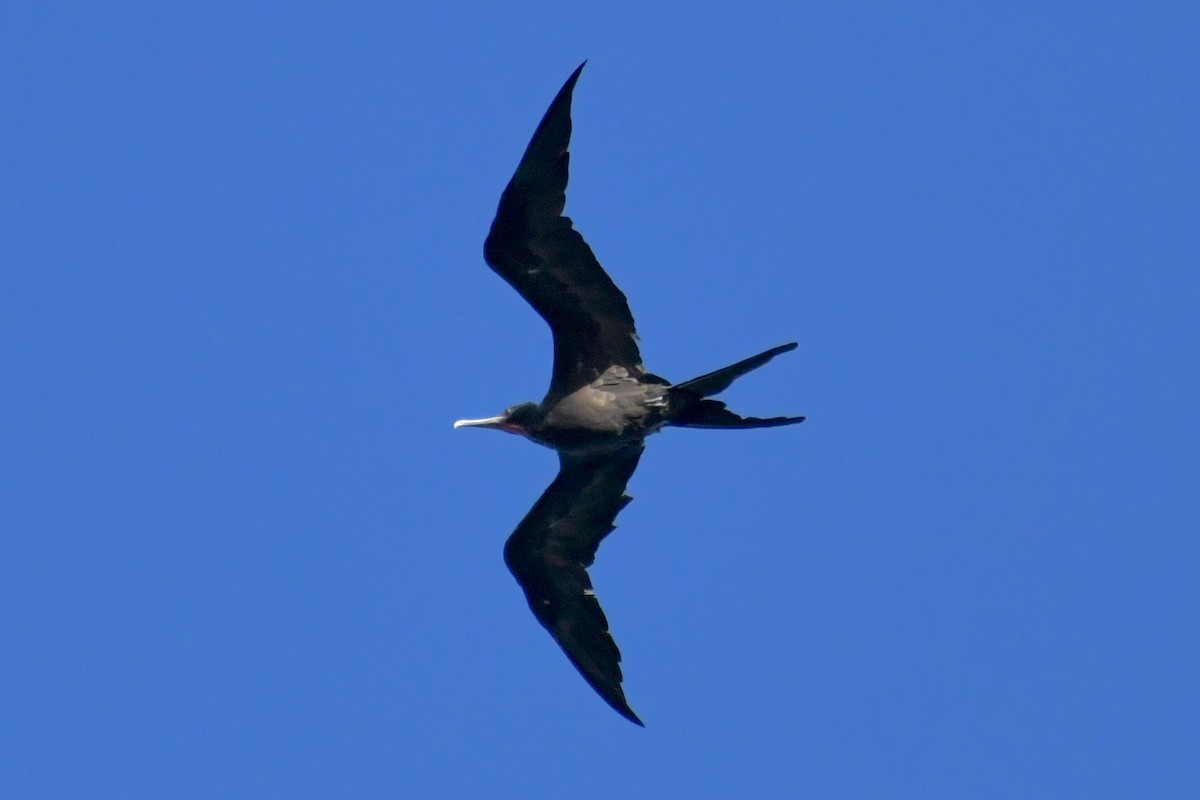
(601, 405)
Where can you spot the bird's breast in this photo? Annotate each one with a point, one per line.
(599, 417)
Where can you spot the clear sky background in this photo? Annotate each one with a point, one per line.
(242, 298)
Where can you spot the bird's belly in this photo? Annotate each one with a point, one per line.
(594, 420)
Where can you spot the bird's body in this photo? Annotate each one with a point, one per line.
(599, 409)
(614, 409)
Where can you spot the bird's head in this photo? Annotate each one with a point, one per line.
(522, 419)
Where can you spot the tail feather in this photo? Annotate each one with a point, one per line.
(719, 380)
(692, 409)
(714, 414)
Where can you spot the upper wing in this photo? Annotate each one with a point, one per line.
(548, 555)
(533, 247)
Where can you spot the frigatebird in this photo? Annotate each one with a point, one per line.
(601, 405)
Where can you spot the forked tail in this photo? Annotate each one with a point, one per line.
(692, 409)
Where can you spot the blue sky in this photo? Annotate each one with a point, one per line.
(242, 299)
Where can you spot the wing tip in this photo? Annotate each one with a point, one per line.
(568, 86)
(615, 697)
(628, 714)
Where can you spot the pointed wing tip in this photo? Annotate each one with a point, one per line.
(615, 697)
(774, 422)
(608, 687)
(569, 87)
(628, 713)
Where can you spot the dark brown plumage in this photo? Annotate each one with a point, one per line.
(533, 247)
(600, 407)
